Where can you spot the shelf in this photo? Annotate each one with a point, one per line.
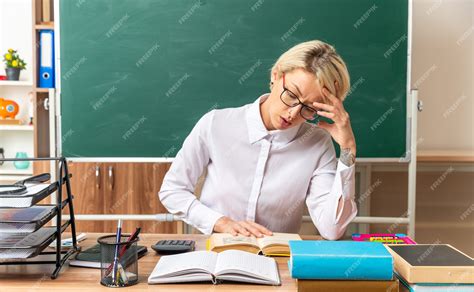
(15, 248)
(445, 156)
(10, 170)
(8, 173)
(15, 83)
(24, 221)
(23, 247)
(16, 128)
(48, 25)
(38, 89)
(12, 178)
(34, 194)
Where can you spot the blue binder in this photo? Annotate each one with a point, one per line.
(340, 260)
(46, 66)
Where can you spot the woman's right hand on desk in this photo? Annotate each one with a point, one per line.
(246, 228)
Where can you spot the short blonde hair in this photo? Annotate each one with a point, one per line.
(321, 59)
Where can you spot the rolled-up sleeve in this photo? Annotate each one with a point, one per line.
(177, 190)
(332, 183)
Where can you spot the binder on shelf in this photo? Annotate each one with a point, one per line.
(46, 66)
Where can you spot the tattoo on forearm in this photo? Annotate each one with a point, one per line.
(347, 157)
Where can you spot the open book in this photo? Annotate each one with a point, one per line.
(275, 245)
(231, 265)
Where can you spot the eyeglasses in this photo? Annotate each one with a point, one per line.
(290, 99)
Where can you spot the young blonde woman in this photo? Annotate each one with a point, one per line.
(265, 162)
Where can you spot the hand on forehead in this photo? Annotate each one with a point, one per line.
(307, 87)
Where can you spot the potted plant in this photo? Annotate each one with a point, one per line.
(13, 64)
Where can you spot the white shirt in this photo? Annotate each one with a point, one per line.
(259, 175)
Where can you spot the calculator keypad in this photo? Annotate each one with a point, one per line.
(173, 246)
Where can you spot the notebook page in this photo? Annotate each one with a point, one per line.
(197, 263)
(235, 262)
(277, 238)
(223, 239)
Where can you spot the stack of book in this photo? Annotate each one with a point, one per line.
(433, 267)
(341, 266)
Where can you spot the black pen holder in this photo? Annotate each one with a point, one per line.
(118, 261)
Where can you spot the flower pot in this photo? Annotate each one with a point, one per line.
(13, 73)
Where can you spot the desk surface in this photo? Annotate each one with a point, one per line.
(37, 277)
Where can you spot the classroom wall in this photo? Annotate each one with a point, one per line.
(444, 204)
(15, 33)
(442, 70)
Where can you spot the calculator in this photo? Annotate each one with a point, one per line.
(173, 246)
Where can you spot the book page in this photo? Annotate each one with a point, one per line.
(226, 239)
(197, 265)
(246, 267)
(277, 238)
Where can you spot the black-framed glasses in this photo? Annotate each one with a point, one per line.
(290, 99)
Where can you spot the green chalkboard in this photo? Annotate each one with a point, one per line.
(136, 75)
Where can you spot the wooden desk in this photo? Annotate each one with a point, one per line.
(37, 277)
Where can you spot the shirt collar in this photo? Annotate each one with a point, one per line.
(257, 129)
